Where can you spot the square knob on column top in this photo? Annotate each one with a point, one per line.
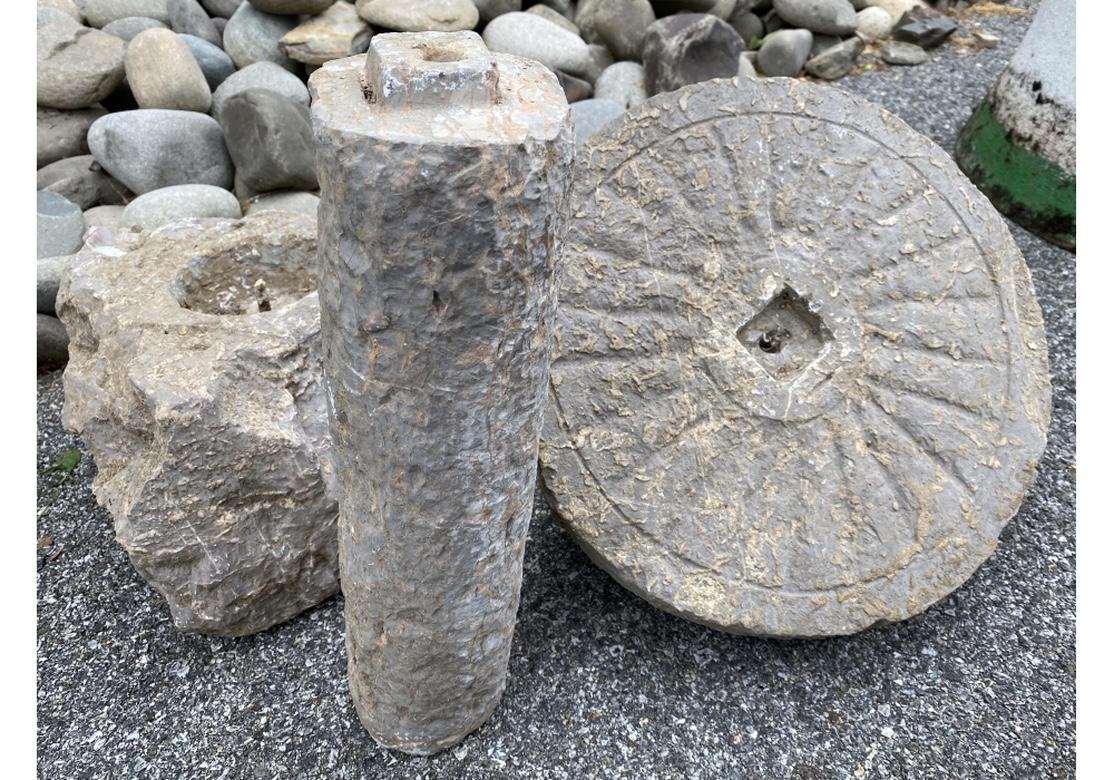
(431, 69)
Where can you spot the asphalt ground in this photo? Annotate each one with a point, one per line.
(601, 684)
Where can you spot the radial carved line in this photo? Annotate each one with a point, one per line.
(900, 494)
(934, 457)
(884, 341)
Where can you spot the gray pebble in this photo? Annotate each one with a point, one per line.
(103, 216)
(214, 62)
(873, 23)
(291, 7)
(271, 141)
(552, 15)
(420, 15)
(59, 226)
(574, 88)
(592, 116)
(252, 36)
(836, 61)
(666, 7)
(130, 26)
(62, 133)
(489, 9)
(147, 149)
(51, 342)
(746, 67)
(687, 49)
(748, 25)
(623, 82)
(187, 16)
(261, 75)
(621, 26)
(48, 275)
(76, 66)
(184, 201)
(531, 36)
(81, 180)
(68, 7)
(162, 73)
(830, 17)
(298, 201)
(222, 8)
(784, 52)
(822, 43)
(901, 53)
(98, 13)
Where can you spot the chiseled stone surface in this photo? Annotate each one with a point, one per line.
(335, 33)
(801, 379)
(197, 388)
(438, 391)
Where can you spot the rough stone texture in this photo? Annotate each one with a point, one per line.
(76, 66)
(836, 61)
(437, 356)
(204, 411)
(163, 73)
(81, 180)
(98, 13)
(591, 116)
(291, 7)
(59, 225)
(784, 52)
(600, 683)
(62, 133)
(899, 53)
(189, 18)
(270, 140)
(924, 27)
(689, 48)
(214, 62)
(801, 379)
(624, 82)
(147, 149)
(184, 201)
(828, 17)
(535, 38)
(420, 15)
(296, 201)
(622, 25)
(253, 36)
(48, 275)
(335, 33)
(130, 26)
(51, 342)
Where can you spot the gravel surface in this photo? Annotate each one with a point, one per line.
(601, 684)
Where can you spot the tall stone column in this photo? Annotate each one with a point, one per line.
(443, 169)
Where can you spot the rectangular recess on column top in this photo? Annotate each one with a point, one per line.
(439, 69)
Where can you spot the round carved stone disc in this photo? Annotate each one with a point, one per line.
(800, 381)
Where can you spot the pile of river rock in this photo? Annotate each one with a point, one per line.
(151, 111)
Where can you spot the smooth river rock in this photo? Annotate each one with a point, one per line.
(621, 26)
(214, 62)
(98, 13)
(62, 133)
(291, 7)
(420, 15)
(623, 82)
(51, 342)
(147, 149)
(253, 36)
(535, 38)
(828, 17)
(130, 26)
(784, 52)
(183, 201)
(59, 225)
(82, 180)
(163, 73)
(189, 18)
(76, 65)
(270, 140)
(261, 75)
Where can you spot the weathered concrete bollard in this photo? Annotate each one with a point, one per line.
(443, 172)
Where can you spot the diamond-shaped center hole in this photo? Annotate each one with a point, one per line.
(784, 336)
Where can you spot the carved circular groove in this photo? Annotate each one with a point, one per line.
(800, 380)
